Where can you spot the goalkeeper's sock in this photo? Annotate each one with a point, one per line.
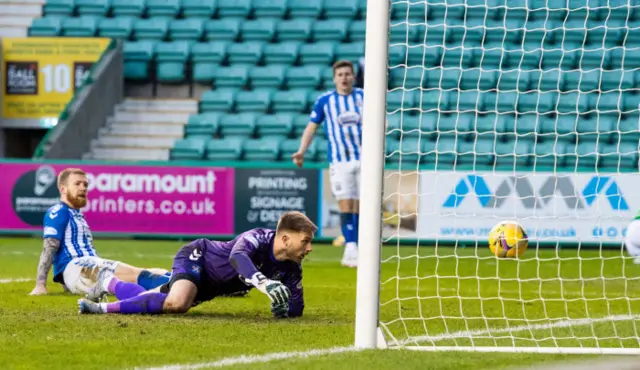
(151, 303)
(347, 227)
(149, 280)
(123, 290)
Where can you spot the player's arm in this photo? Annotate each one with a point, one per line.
(240, 259)
(55, 222)
(316, 117)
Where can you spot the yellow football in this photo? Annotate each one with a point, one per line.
(508, 239)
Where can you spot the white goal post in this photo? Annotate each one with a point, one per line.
(494, 110)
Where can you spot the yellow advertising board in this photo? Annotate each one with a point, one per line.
(41, 74)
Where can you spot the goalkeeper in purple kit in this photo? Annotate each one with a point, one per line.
(269, 260)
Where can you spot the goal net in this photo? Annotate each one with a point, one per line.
(523, 110)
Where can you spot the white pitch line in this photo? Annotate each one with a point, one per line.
(14, 280)
(253, 359)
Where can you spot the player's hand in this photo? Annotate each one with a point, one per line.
(280, 311)
(40, 289)
(277, 292)
(298, 158)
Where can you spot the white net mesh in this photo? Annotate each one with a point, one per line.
(521, 110)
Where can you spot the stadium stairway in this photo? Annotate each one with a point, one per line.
(16, 16)
(142, 130)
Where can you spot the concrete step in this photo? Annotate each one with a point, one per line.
(124, 117)
(22, 2)
(20, 9)
(159, 105)
(134, 142)
(12, 31)
(16, 21)
(145, 130)
(124, 154)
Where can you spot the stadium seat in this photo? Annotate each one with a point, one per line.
(477, 153)
(79, 27)
(543, 102)
(626, 129)
(583, 155)
(618, 79)
(334, 9)
(127, 8)
(259, 30)
(217, 101)
(171, 60)
(285, 53)
(417, 55)
(198, 9)
(186, 29)
(514, 154)
(550, 80)
(96, 8)
(475, 79)
(121, 28)
(45, 27)
(352, 51)
(595, 130)
(307, 77)
(572, 102)
(263, 149)
(550, 153)
(400, 99)
(300, 122)
(321, 53)
(424, 125)
(263, 9)
(294, 101)
(293, 30)
(560, 128)
(524, 126)
(190, 148)
(271, 76)
(513, 80)
(290, 146)
(58, 8)
(410, 78)
(357, 31)
(202, 125)
(222, 29)
(400, 33)
(486, 125)
(330, 30)
(246, 53)
(253, 101)
(238, 125)
(206, 57)
(304, 9)
(151, 29)
(274, 125)
(165, 9)
(137, 57)
(229, 149)
(442, 151)
(327, 79)
(234, 8)
(615, 157)
(232, 77)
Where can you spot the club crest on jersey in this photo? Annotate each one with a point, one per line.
(349, 118)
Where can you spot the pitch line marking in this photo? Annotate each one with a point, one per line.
(14, 280)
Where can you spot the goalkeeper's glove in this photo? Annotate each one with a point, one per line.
(277, 292)
(280, 311)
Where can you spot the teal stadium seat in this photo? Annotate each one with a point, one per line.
(526, 126)
(217, 101)
(96, 8)
(263, 9)
(186, 29)
(137, 57)
(400, 33)
(202, 125)
(58, 8)
(227, 149)
(583, 155)
(171, 59)
(322, 150)
(232, 77)
(594, 130)
(477, 152)
(238, 125)
(206, 58)
(127, 8)
(330, 30)
(120, 28)
(166, 9)
(307, 77)
(79, 27)
(258, 30)
(300, 122)
(410, 78)
(253, 101)
(327, 79)
(619, 79)
(294, 101)
(352, 51)
(515, 154)
(198, 9)
(246, 53)
(562, 127)
(234, 8)
(263, 149)
(347, 9)
(270, 77)
(414, 11)
(155, 29)
(615, 157)
(284, 53)
(222, 29)
(45, 27)
(279, 125)
(627, 129)
(321, 53)
(549, 154)
(357, 31)
(190, 148)
(304, 9)
(290, 146)
(572, 102)
(294, 30)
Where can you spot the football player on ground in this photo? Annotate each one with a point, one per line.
(68, 245)
(341, 111)
(632, 239)
(269, 260)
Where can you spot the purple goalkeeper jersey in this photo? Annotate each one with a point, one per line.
(226, 264)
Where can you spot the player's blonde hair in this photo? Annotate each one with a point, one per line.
(296, 222)
(64, 175)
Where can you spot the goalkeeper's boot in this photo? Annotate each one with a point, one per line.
(99, 290)
(85, 306)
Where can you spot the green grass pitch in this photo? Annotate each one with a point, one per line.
(443, 296)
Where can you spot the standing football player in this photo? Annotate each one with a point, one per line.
(269, 260)
(68, 245)
(341, 111)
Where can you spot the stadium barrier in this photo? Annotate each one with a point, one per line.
(195, 199)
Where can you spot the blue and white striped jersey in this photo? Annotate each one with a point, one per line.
(68, 225)
(342, 115)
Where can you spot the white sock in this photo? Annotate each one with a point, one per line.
(103, 307)
(106, 282)
(351, 246)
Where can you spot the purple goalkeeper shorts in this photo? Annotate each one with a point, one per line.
(189, 262)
